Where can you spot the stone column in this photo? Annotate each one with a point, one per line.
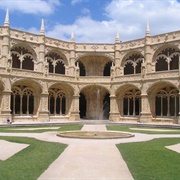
(44, 112)
(114, 112)
(71, 68)
(74, 115)
(5, 106)
(179, 109)
(179, 94)
(145, 115)
(42, 62)
(5, 46)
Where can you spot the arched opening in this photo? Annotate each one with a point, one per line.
(22, 58)
(60, 68)
(128, 69)
(94, 65)
(82, 106)
(106, 106)
(167, 102)
(132, 64)
(57, 102)
(28, 63)
(161, 64)
(22, 101)
(82, 69)
(131, 103)
(94, 103)
(56, 63)
(107, 69)
(167, 59)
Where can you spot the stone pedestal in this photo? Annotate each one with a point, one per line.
(44, 112)
(75, 109)
(114, 117)
(114, 113)
(145, 115)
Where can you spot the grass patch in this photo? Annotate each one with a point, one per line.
(14, 129)
(32, 161)
(127, 129)
(151, 160)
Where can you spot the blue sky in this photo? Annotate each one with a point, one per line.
(93, 20)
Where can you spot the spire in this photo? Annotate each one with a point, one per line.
(6, 22)
(42, 30)
(147, 29)
(72, 37)
(117, 37)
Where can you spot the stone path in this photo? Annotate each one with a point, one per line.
(89, 160)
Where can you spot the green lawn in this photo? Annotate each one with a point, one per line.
(127, 129)
(31, 162)
(151, 160)
(14, 129)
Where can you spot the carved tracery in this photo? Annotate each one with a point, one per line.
(22, 58)
(167, 59)
(132, 64)
(56, 63)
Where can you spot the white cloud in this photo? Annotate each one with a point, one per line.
(73, 2)
(44, 7)
(128, 17)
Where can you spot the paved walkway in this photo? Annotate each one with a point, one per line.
(90, 159)
(87, 159)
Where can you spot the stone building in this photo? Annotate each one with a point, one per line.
(46, 79)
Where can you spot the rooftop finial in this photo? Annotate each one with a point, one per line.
(72, 37)
(147, 29)
(42, 30)
(117, 37)
(6, 22)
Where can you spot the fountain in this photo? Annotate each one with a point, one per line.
(94, 134)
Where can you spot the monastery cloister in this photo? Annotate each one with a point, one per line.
(45, 79)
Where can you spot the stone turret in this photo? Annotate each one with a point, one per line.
(42, 30)
(72, 37)
(6, 21)
(117, 37)
(147, 29)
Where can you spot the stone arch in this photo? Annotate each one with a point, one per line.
(96, 99)
(166, 58)
(131, 62)
(164, 100)
(23, 56)
(25, 97)
(60, 99)
(129, 100)
(94, 63)
(57, 61)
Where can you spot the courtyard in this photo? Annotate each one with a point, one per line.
(34, 151)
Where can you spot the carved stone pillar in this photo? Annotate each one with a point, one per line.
(5, 106)
(179, 110)
(74, 115)
(145, 115)
(44, 112)
(114, 113)
(5, 46)
(71, 68)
